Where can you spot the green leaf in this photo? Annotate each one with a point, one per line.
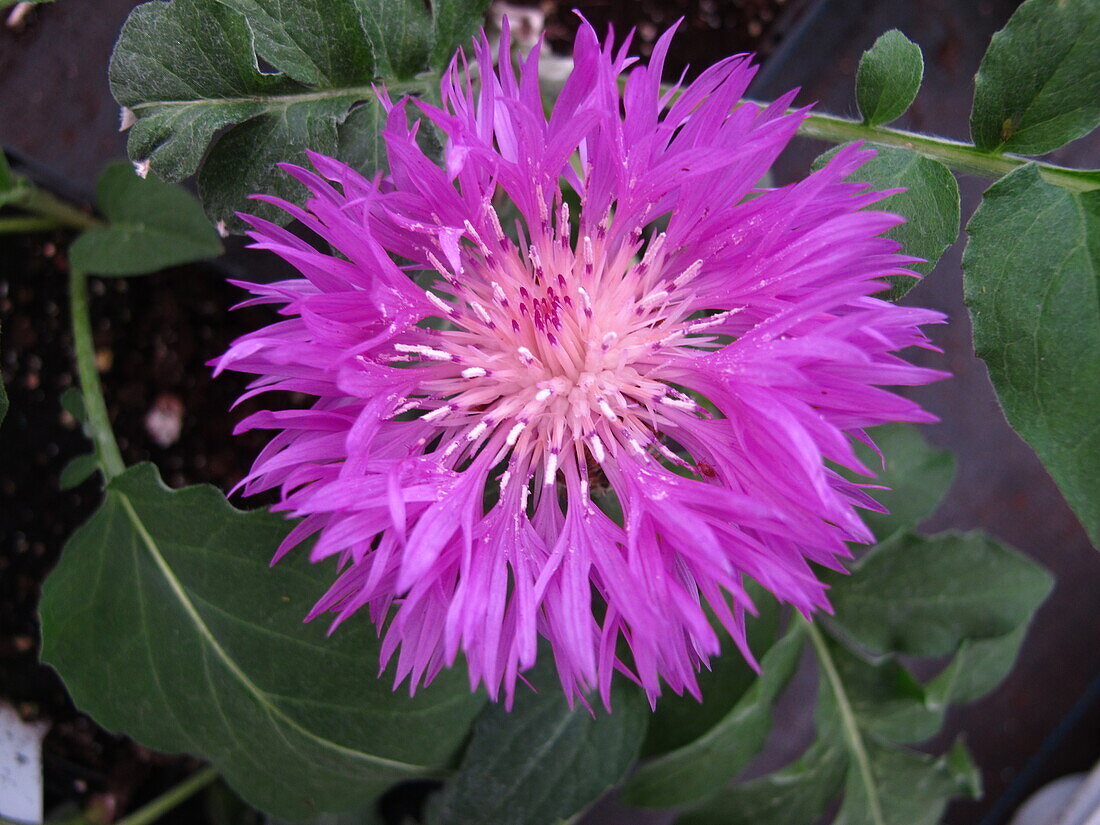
(151, 225)
(888, 78)
(1038, 86)
(7, 178)
(795, 795)
(918, 477)
(885, 698)
(542, 762)
(188, 71)
(72, 402)
(923, 596)
(454, 23)
(929, 204)
(977, 668)
(1032, 283)
(78, 470)
(703, 766)
(167, 625)
(678, 720)
(913, 788)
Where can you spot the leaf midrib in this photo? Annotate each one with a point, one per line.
(285, 101)
(231, 665)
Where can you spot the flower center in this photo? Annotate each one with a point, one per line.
(556, 348)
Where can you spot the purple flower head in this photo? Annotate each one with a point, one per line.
(581, 381)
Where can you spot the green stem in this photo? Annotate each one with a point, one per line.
(110, 457)
(21, 224)
(170, 799)
(45, 205)
(847, 719)
(960, 156)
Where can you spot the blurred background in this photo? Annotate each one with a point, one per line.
(153, 336)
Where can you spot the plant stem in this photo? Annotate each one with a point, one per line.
(847, 719)
(21, 224)
(960, 156)
(110, 457)
(170, 798)
(45, 205)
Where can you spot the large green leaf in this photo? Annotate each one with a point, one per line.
(542, 762)
(1038, 86)
(888, 78)
(1032, 283)
(189, 72)
(923, 596)
(150, 225)
(704, 765)
(929, 204)
(167, 625)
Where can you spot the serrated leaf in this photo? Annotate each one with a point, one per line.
(1032, 284)
(795, 795)
(1038, 86)
(917, 475)
(924, 595)
(189, 72)
(929, 204)
(704, 765)
(77, 471)
(542, 762)
(166, 624)
(151, 225)
(913, 788)
(888, 78)
(678, 720)
(977, 668)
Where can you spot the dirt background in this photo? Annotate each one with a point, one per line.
(154, 335)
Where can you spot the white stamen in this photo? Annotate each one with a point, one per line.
(439, 412)
(586, 301)
(688, 273)
(481, 313)
(654, 249)
(513, 434)
(525, 355)
(551, 468)
(609, 339)
(543, 394)
(478, 431)
(427, 352)
(598, 451)
(498, 292)
(605, 408)
(446, 308)
(680, 404)
(474, 372)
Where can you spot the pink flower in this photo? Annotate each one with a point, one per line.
(589, 422)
